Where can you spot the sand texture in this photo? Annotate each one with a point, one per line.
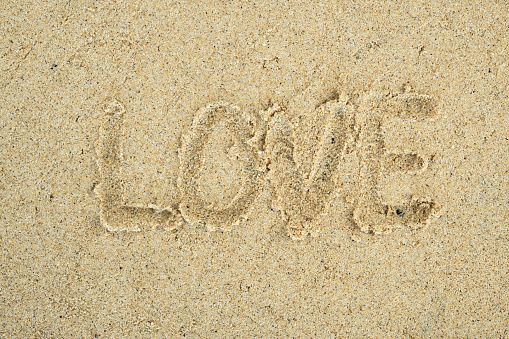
(254, 169)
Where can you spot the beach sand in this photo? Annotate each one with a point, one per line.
(254, 169)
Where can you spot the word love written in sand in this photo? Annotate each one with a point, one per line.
(299, 159)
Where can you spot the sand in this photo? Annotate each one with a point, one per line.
(254, 169)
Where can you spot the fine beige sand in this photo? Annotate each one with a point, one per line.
(254, 169)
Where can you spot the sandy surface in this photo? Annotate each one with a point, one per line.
(258, 169)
